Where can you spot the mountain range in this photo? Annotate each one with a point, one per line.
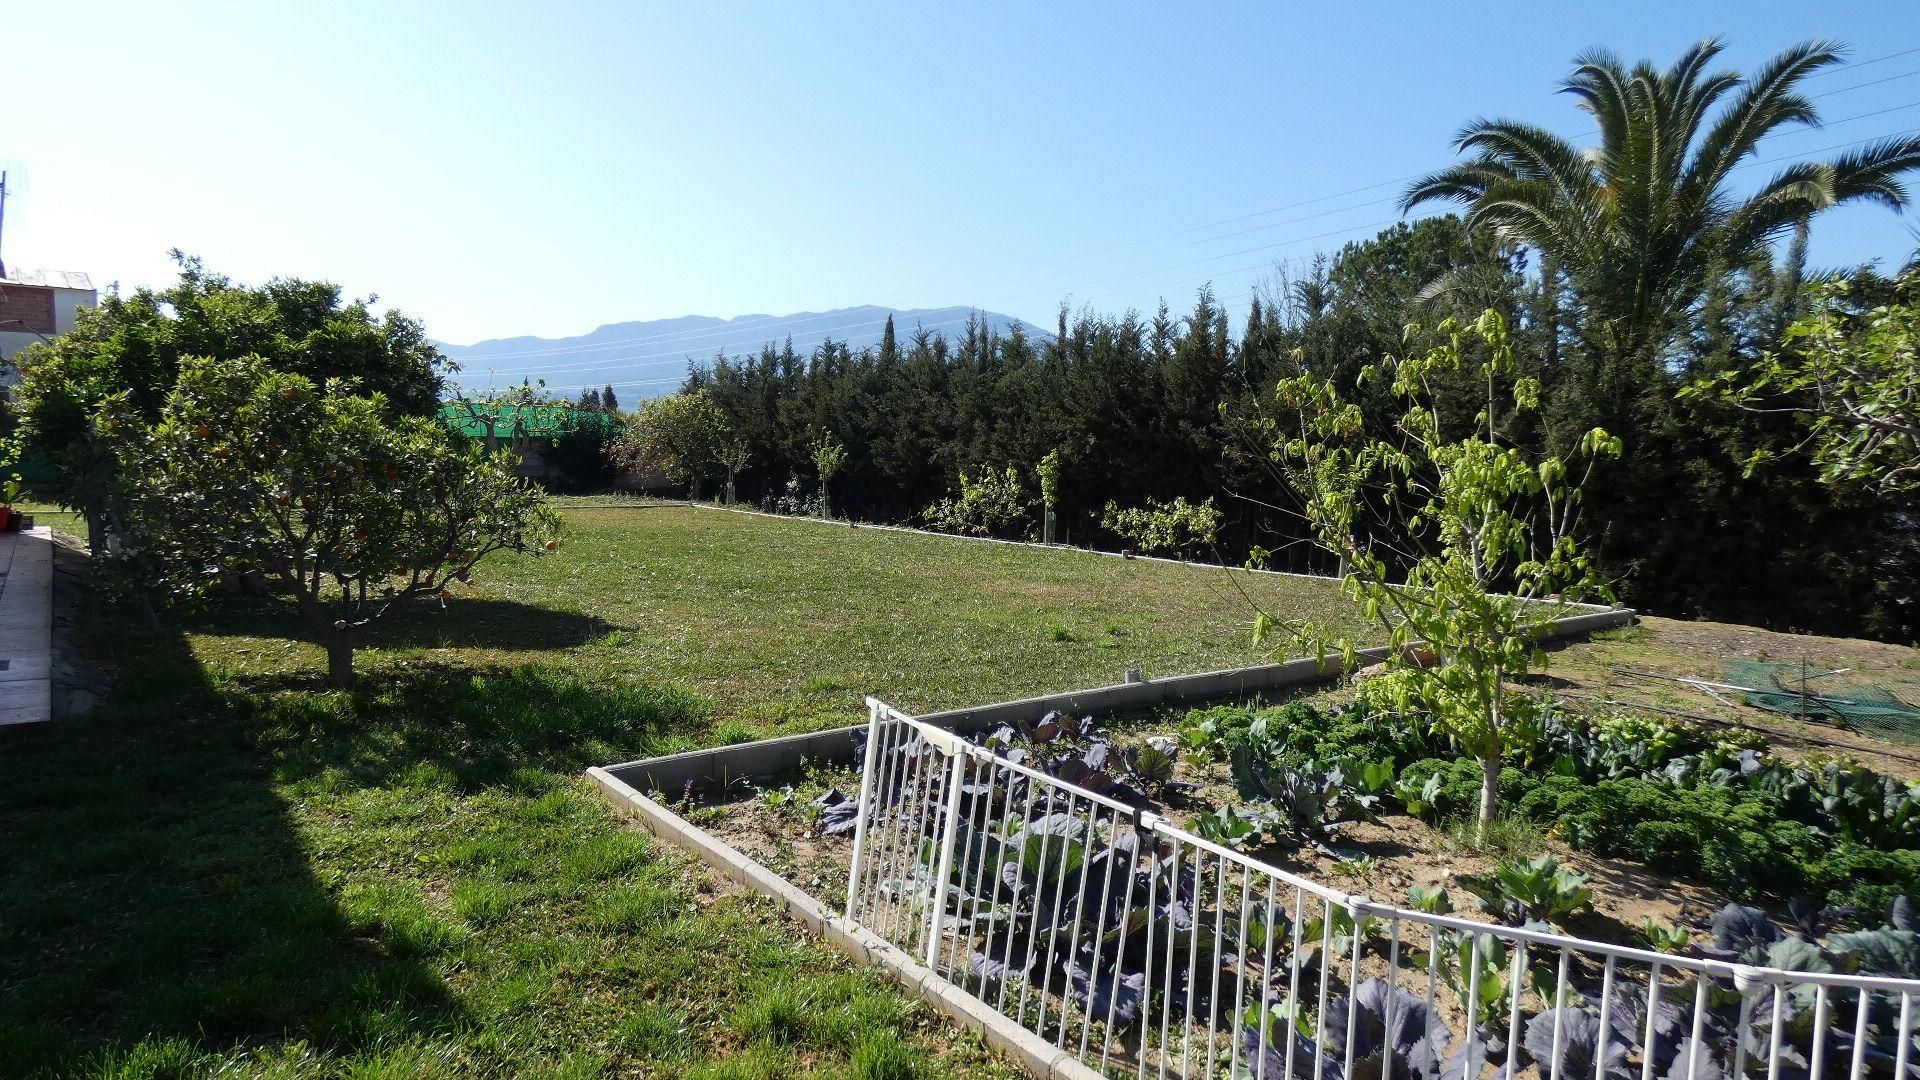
(649, 358)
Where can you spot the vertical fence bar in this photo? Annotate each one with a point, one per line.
(1240, 977)
(1193, 959)
(1152, 839)
(882, 844)
(1166, 993)
(1038, 886)
(981, 829)
(1653, 1007)
(1293, 976)
(1213, 961)
(1773, 1036)
(1326, 978)
(1905, 1033)
(1516, 982)
(1079, 916)
(1699, 1023)
(1099, 936)
(1817, 1061)
(1559, 1003)
(1856, 1070)
(1019, 860)
(943, 870)
(911, 837)
(1053, 932)
(1393, 986)
(1433, 989)
(863, 809)
(1356, 910)
(1266, 983)
(1473, 1003)
(1119, 943)
(1606, 1010)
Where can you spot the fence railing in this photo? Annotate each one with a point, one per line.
(1148, 951)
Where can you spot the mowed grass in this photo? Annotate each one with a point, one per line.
(786, 625)
(231, 870)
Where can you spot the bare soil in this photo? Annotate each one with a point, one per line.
(1599, 667)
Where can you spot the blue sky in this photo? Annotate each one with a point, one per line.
(500, 170)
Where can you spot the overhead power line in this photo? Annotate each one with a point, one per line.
(714, 333)
(775, 323)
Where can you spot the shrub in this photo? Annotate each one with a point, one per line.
(1731, 840)
(991, 504)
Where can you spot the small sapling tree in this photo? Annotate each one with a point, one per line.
(828, 456)
(1483, 546)
(735, 451)
(1050, 469)
(338, 503)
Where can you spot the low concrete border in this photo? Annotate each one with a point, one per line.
(1031, 1052)
(770, 757)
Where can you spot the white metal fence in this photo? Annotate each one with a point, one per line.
(1148, 951)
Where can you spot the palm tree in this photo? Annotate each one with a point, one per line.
(1641, 223)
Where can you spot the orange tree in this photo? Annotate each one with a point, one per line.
(320, 489)
(133, 346)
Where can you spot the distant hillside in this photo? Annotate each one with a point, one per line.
(646, 359)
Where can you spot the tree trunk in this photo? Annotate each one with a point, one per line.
(1489, 792)
(340, 658)
(1047, 527)
(97, 533)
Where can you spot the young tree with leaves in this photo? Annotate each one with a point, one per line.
(829, 454)
(1051, 468)
(345, 507)
(1485, 547)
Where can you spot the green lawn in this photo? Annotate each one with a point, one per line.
(231, 869)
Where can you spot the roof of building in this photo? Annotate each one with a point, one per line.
(48, 279)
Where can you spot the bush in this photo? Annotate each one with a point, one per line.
(1732, 840)
(1856, 876)
(1460, 783)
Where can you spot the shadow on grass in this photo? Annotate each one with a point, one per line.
(164, 898)
(464, 623)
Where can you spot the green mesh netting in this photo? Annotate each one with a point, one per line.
(1883, 710)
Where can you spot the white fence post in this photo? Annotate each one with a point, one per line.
(864, 808)
(943, 870)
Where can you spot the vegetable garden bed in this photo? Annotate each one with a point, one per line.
(1357, 800)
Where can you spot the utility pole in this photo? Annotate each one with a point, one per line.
(3, 218)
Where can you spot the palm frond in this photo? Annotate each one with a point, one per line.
(1769, 103)
(1463, 183)
(1873, 172)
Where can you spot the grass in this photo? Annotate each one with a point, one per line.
(231, 869)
